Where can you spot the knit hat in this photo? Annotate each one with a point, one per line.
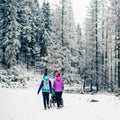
(45, 72)
(58, 74)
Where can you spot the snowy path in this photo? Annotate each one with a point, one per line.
(25, 104)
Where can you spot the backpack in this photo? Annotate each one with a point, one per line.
(46, 87)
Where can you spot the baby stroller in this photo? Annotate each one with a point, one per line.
(53, 100)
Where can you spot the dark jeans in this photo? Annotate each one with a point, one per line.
(45, 99)
(58, 98)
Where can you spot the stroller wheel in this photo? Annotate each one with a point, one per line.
(51, 103)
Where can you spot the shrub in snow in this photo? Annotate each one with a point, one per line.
(17, 77)
(12, 78)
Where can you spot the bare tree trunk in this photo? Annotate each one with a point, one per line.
(91, 85)
(118, 39)
(3, 58)
(96, 33)
(62, 44)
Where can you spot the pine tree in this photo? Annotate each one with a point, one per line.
(10, 32)
(65, 37)
(29, 18)
(92, 44)
(115, 24)
(79, 40)
(80, 47)
(45, 31)
(103, 17)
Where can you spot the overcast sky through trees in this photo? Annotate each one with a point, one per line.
(79, 8)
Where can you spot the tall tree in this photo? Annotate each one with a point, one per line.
(91, 37)
(96, 34)
(46, 29)
(115, 6)
(26, 28)
(10, 32)
(80, 46)
(29, 18)
(67, 38)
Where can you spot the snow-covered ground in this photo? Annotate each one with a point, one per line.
(25, 104)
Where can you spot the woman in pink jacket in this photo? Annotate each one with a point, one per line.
(58, 86)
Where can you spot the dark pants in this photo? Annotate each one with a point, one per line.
(45, 99)
(58, 98)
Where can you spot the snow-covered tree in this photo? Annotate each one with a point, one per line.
(92, 41)
(64, 39)
(80, 47)
(105, 57)
(115, 35)
(46, 23)
(45, 37)
(29, 18)
(10, 32)
(106, 46)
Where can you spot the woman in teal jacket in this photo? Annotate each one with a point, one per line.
(46, 87)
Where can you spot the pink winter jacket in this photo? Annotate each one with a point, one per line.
(58, 85)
